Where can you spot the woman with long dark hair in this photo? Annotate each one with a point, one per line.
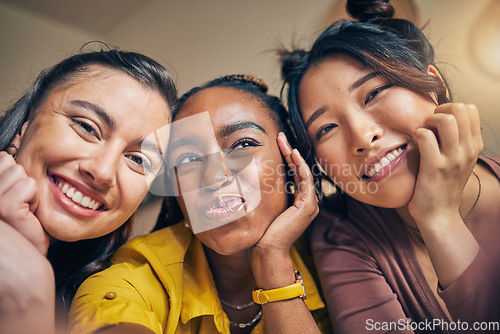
(80, 149)
(411, 236)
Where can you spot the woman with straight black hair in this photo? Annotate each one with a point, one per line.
(410, 238)
(74, 167)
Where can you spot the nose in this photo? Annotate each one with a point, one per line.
(216, 174)
(101, 168)
(364, 134)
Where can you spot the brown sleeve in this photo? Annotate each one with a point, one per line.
(358, 297)
(474, 296)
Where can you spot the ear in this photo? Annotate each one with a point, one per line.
(16, 142)
(432, 70)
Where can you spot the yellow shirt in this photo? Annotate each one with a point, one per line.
(162, 281)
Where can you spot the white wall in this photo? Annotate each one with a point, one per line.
(202, 39)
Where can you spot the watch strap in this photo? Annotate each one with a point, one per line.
(294, 290)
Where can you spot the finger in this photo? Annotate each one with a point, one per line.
(19, 200)
(286, 151)
(447, 133)
(475, 126)
(306, 180)
(285, 148)
(10, 176)
(428, 147)
(6, 160)
(461, 113)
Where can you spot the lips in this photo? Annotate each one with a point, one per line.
(77, 196)
(224, 207)
(384, 161)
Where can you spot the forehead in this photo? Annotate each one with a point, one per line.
(340, 68)
(124, 99)
(226, 105)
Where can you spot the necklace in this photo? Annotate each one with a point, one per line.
(247, 324)
(237, 307)
(477, 198)
(470, 212)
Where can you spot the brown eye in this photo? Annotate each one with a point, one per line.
(375, 92)
(187, 158)
(324, 130)
(140, 162)
(244, 143)
(85, 127)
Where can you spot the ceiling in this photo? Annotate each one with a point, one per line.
(99, 16)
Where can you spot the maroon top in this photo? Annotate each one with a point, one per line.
(373, 281)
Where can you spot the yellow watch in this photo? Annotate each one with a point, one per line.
(294, 290)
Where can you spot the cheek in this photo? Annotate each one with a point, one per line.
(407, 111)
(273, 188)
(271, 176)
(332, 158)
(133, 189)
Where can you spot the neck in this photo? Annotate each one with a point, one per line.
(232, 274)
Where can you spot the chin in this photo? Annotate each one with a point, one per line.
(61, 230)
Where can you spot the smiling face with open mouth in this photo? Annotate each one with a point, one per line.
(93, 146)
(362, 127)
(228, 168)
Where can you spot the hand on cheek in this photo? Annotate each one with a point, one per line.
(18, 202)
(290, 224)
(449, 146)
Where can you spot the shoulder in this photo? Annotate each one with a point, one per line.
(493, 163)
(146, 273)
(168, 245)
(363, 231)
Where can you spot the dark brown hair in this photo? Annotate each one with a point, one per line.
(394, 48)
(73, 262)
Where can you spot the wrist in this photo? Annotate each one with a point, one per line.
(439, 223)
(291, 291)
(272, 270)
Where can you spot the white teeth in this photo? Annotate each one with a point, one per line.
(78, 197)
(85, 201)
(390, 156)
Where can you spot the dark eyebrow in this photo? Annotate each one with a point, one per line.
(97, 110)
(364, 79)
(186, 141)
(232, 128)
(315, 115)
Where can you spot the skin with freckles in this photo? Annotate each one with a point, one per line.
(89, 140)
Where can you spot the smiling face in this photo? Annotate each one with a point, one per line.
(362, 129)
(93, 146)
(229, 169)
